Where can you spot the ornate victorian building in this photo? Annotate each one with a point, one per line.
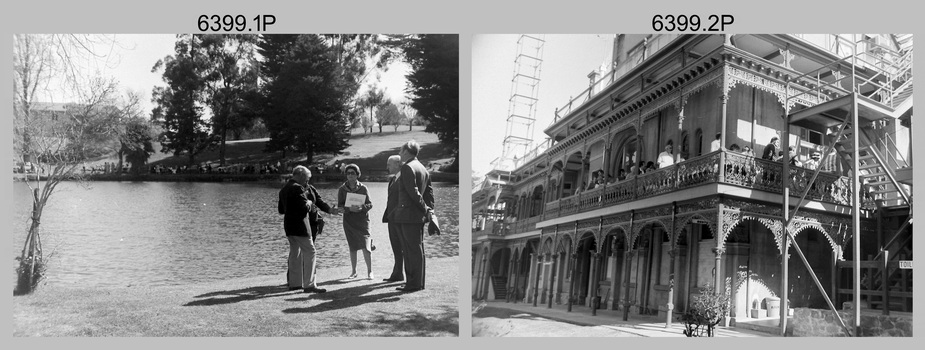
(577, 222)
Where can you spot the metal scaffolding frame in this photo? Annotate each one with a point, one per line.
(850, 121)
(521, 117)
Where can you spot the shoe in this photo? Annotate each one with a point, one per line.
(314, 290)
(371, 276)
(352, 276)
(407, 290)
(392, 280)
(295, 288)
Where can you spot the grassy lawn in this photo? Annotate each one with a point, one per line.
(249, 307)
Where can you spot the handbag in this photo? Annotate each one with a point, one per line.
(433, 227)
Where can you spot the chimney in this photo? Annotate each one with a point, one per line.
(619, 54)
(592, 80)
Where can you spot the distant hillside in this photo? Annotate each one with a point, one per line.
(369, 151)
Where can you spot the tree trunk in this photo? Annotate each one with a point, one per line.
(410, 123)
(121, 155)
(308, 158)
(221, 149)
(31, 261)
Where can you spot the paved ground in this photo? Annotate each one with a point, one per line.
(500, 319)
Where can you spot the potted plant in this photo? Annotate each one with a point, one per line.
(705, 312)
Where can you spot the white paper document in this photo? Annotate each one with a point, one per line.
(355, 199)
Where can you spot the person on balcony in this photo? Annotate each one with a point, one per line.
(794, 160)
(813, 161)
(715, 145)
(747, 150)
(772, 151)
(665, 158)
(650, 167)
(620, 177)
(594, 180)
(734, 148)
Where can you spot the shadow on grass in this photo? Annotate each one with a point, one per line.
(346, 298)
(239, 295)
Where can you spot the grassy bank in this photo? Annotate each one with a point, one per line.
(251, 306)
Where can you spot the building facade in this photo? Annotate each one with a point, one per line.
(585, 220)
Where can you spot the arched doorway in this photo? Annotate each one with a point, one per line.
(751, 268)
(526, 271)
(615, 262)
(817, 248)
(649, 267)
(497, 273)
(563, 256)
(587, 246)
(545, 271)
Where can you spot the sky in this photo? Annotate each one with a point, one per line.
(567, 60)
(132, 56)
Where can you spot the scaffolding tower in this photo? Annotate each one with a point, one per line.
(867, 92)
(521, 117)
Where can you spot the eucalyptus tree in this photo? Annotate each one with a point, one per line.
(180, 105)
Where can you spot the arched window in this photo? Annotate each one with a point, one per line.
(685, 146)
(626, 156)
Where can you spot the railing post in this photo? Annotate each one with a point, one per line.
(722, 166)
(885, 277)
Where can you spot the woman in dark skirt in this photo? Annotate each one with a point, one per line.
(356, 219)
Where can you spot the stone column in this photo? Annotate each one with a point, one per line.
(536, 279)
(478, 286)
(670, 305)
(528, 282)
(592, 278)
(512, 293)
(613, 278)
(626, 284)
(571, 289)
(718, 278)
(487, 276)
(552, 278)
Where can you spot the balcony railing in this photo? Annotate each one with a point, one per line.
(737, 169)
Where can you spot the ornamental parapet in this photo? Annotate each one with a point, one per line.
(736, 169)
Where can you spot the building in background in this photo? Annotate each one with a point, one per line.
(583, 220)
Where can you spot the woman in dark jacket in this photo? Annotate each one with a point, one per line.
(356, 220)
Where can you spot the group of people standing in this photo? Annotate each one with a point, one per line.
(409, 206)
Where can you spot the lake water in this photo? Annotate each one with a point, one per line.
(171, 233)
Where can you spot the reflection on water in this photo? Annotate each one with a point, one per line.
(168, 233)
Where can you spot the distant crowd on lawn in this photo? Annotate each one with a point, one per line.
(208, 168)
(255, 168)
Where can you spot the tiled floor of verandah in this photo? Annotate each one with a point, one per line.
(641, 325)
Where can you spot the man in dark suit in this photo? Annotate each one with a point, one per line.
(394, 165)
(415, 204)
(299, 203)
